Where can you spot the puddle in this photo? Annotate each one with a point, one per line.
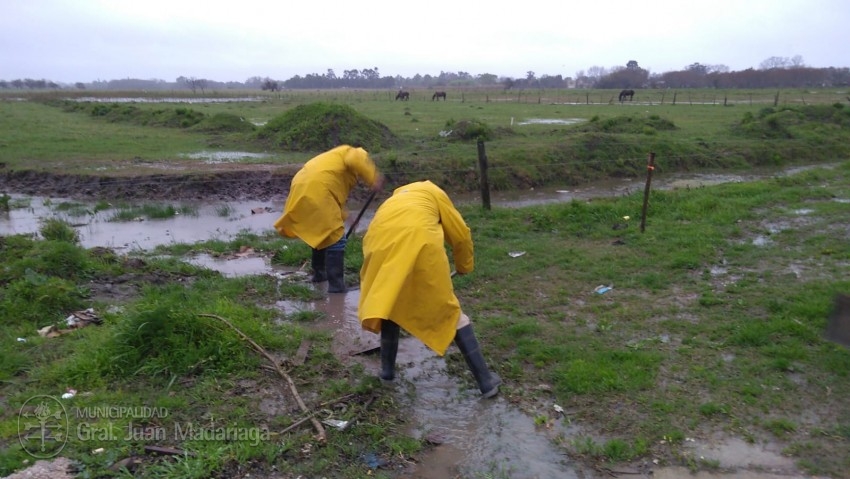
(225, 220)
(221, 221)
(233, 266)
(761, 240)
(214, 157)
(161, 100)
(551, 121)
(478, 436)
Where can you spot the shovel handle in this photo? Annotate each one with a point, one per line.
(360, 215)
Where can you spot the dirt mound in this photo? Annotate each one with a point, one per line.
(322, 126)
(220, 186)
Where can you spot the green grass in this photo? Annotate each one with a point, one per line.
(706, 331)
(613, 139)
(167, 349)
(677, 348)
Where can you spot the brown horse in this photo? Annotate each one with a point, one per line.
(627, 93)
(403, 95)
(437, 95)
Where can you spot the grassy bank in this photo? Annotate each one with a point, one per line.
(713, 328)
(560, 137)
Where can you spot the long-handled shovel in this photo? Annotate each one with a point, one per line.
(360, 215)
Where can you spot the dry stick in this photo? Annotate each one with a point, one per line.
(259, 349)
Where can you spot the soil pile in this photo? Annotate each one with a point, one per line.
(322, 126)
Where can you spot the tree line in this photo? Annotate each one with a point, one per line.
(774, 72)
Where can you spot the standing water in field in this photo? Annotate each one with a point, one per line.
(471, 437)
(200, 221)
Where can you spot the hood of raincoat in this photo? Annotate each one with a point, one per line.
(315, 206)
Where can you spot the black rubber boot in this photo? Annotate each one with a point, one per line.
(466, 341)
(318, 263)
(389, 348)
(335, 267)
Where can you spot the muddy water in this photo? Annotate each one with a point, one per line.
(479, 438)
(225, 220)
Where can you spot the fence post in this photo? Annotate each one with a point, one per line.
(485, 183)
(650, 167)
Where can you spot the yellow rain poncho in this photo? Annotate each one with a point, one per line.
(406, 276)
(315, 206)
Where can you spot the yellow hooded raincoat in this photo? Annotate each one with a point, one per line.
(406, 275)
(315, 206)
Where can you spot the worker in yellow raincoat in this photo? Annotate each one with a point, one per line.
(406, 280)
(315, 208)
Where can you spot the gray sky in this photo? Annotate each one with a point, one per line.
(84, 40)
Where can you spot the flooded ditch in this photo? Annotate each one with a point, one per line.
(489, 438)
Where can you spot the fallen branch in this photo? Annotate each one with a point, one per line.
(319, 428)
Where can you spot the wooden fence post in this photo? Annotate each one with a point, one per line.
(650, 167)
(485, 183)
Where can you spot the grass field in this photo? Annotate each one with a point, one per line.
(713, 328)
(525, 144)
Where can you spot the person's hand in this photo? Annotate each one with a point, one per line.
(379, 183)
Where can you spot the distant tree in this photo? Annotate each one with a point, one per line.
(53, 85)
(270, 85)
(18, 83)
(330, 74)
(193, 83)
(697, 68)
(596, 72)
(4, 84)
(838, 76)
(632, 65)
(624, 78)
(80, 85)
(487, 79)
(254, 82)
(547, 81)
(529, 75)
(797, 61)
(370, 73)
(774, 62)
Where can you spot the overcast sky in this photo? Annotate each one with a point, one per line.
(84, 40)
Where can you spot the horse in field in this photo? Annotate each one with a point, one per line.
(626, 93)
(437, 95)
(403, 95)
